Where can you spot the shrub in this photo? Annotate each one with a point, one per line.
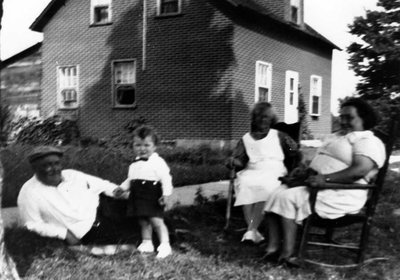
(51, 131)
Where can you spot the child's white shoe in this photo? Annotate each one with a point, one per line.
(146, 247)
(164, 250)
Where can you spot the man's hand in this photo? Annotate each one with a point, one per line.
(71, 239)
(118, 192)
(162, 201)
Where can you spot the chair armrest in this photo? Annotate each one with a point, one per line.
(339, 186)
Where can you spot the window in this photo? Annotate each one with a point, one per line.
(295, 11)
(315, 95)
(124, 83)
(263, 81)
(169, 7)
(67, 77)
(100, 11)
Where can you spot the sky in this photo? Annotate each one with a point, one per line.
(329, 17)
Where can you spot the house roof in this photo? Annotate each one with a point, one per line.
(245, 5)
(20, 55)
(253, 7)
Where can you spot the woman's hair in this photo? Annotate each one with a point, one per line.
(144, 131)
(364, 111)
(258, 109)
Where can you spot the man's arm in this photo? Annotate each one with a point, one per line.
(99, 185)
(28, 205)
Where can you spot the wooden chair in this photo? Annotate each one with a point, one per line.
(293, 130)
(364, 218)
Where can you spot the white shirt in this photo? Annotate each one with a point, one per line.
(72, 205)
(154, 169)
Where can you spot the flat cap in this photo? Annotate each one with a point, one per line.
(42, 151)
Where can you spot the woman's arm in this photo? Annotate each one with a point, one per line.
(359, 168)
(239, 157)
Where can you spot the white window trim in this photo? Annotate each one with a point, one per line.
(169, 14)
(114, 105)
(269, 81)
(60, 102)
(297, 4)
(318, 93)
(92, 6)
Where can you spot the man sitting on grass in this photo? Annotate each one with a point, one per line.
(64, 204)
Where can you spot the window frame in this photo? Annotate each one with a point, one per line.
(114, 87)
(159, 5)
(258, 85)
(297, 5)
(93, 5)
(62, 104)
(318, 93)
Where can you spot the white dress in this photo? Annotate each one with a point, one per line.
(259, 179)
(334, 155)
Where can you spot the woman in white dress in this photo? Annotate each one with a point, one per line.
(353, 154)
(263, 165)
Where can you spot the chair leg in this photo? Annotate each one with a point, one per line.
(329, 234)
(363, 240)
(304, 238)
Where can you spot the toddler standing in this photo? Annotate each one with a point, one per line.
(149, 182)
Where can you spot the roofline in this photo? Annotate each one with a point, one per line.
(289, 25)
(48, 12)
(20, 55)
(52, 8)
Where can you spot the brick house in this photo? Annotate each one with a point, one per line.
(20, 81)
(192, 69)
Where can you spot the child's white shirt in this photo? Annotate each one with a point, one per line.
(154, 169)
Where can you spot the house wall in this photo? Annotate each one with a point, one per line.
(183, 91)
(285, 51)
(197, 66)
(20, 85)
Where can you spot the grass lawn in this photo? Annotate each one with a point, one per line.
(203, 251)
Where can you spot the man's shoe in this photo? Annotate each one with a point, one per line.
(291, 262)
(249, 236)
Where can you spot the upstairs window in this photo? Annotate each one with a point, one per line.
(67, 77)
(315, 95)
(124, 83)
(263, 81)
(100, 12)
(295, 11)
(169, 7)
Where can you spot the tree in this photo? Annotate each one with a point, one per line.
(375, 57)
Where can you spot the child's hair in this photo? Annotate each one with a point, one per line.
(144, 131)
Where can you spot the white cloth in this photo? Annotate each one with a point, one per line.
(259, 179)
(154, 169)
(335, 154)
(72, 205)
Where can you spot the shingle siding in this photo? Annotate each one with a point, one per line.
(199, 77)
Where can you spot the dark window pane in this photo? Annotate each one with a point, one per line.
(315, 105)
(169, 6)
(262, 94)
(125, 95)
(101, 14)
(294, 13)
